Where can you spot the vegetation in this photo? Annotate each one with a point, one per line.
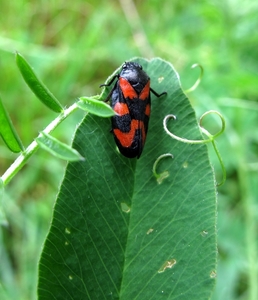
(74, 47)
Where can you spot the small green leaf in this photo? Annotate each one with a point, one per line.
(57, 148)
(37, 87)
(95, 107)
(8, 132)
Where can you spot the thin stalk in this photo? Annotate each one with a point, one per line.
(33, 147)
(195, 85)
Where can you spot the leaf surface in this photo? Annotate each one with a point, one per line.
(96, 107)
(57, 148)
(35, 84)
(119, 234)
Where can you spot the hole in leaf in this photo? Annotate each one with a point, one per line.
(167, 265)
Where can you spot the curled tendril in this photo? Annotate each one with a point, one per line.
(160, 177)
(197, 82)
(211, 137)
(223, 124)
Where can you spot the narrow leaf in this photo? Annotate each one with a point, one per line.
(35, 84)
(95, 107)
(57, 148)
(8, 132)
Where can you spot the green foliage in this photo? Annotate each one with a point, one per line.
(38, 88)
(73, 47)
(95, 107)
(118, 232)
(56, 148)
(7, 131)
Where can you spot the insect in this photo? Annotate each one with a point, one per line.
(130, 99)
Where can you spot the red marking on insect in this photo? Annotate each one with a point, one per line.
(130, 99)
(145, 93)
(147, 110)
(126, 88)
(121, 108)
(126, 138)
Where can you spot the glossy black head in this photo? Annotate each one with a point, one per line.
(134, 74)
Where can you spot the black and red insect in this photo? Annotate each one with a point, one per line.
(130, 99)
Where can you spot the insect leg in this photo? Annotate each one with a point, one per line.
(156, 94)
(108, 84)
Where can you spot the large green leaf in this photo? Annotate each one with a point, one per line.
(118, 234)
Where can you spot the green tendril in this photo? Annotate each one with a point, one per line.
(223, 124)
(197, 82)
(211, 137)
(160, 177)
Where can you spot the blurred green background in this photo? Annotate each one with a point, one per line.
(73, 47)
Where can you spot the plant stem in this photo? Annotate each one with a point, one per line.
(32, 148)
